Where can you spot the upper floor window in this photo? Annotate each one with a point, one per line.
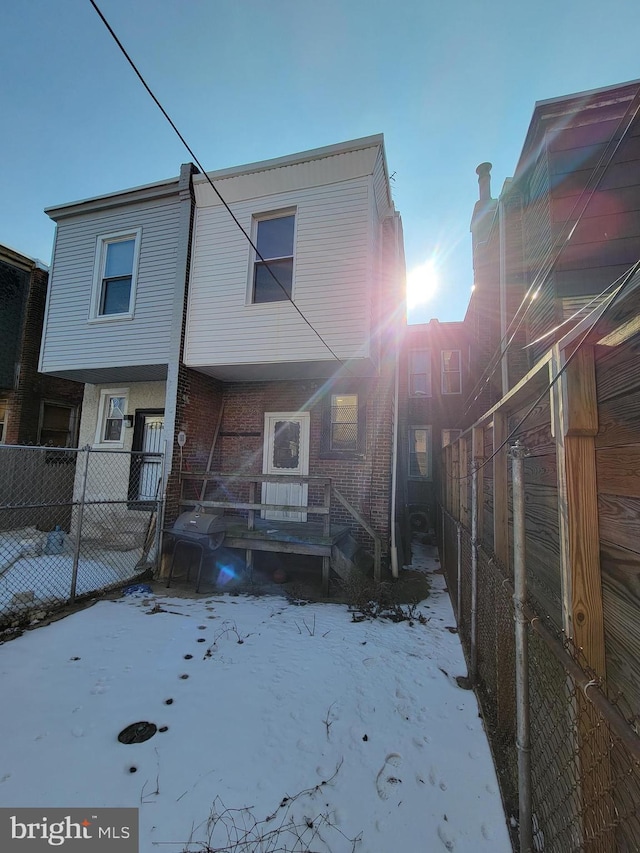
(111, 416)
(272, 279)
(419, 373)
(451, 372)
(114, 282)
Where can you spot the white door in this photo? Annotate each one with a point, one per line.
(151, 465)
(286, 451)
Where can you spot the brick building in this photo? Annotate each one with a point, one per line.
(34, 408)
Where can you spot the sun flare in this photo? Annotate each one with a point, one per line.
(422, 284)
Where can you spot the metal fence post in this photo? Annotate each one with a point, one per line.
(161, 503)
(473, 651)
(76, 551)
(459, 572)
(523, 738)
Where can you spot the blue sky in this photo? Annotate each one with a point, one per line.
(450, 85)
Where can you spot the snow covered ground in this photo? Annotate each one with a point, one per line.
(29, 576)
(289, 727)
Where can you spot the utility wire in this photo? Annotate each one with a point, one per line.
(627, 277)
(559, 244)
(213, 187)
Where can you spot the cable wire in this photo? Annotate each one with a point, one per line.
(213, 187)
(628, 276)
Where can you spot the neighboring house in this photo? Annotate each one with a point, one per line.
(580, 163)
(434, 369)
(34, 409)
(294, 377)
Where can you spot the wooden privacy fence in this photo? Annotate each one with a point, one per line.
(562, 697)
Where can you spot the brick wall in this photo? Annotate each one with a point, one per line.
(365, 481)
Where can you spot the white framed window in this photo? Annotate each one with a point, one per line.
(115, 276)
(274, 237)
(58, 424)
(420, 456)
(419, 373)
(449, 436)
(343, 433)
(451, 371)
(111, 416)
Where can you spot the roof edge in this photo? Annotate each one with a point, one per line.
(292, 159)
(144, 192)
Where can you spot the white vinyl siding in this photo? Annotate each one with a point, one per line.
(71, 341)
(333, 268)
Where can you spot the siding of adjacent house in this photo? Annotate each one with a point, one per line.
(332, 274)
(586, 169)
(71, 341)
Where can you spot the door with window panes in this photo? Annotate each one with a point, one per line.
(286, 452)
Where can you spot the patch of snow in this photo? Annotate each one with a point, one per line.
(346, 737)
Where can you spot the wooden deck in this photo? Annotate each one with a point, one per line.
(292, 537)
(251, 532)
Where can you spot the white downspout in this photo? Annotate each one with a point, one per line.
(394, 450)
(394, 468)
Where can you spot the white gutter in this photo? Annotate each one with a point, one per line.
(394, 461)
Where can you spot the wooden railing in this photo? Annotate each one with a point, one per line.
(252, 506)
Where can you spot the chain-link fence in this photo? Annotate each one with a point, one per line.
(73, 522)
(585, 750)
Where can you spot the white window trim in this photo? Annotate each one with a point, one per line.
(412, 394)
(102, 412)
(261, 216)
(98, 269)
(429, 430)
(443, 372)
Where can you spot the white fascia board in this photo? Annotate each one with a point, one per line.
(293, 159)
(133, 195)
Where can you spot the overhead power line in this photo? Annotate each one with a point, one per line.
(633, 269)
(210, 182)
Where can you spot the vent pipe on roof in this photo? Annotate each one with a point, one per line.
(484, 180)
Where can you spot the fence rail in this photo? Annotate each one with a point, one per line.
(73, 522)
(584, 745)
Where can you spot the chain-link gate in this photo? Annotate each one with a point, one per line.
(74, 522)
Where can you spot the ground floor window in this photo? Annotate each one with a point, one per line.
(111, 416)
(58, 424)
(449, 436)
(420, 452)
(3, 419)
(343, 429)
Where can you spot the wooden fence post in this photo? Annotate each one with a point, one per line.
(463, 482)
(575, 421)
(477, 453)
(455, 479)
(500, 489)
